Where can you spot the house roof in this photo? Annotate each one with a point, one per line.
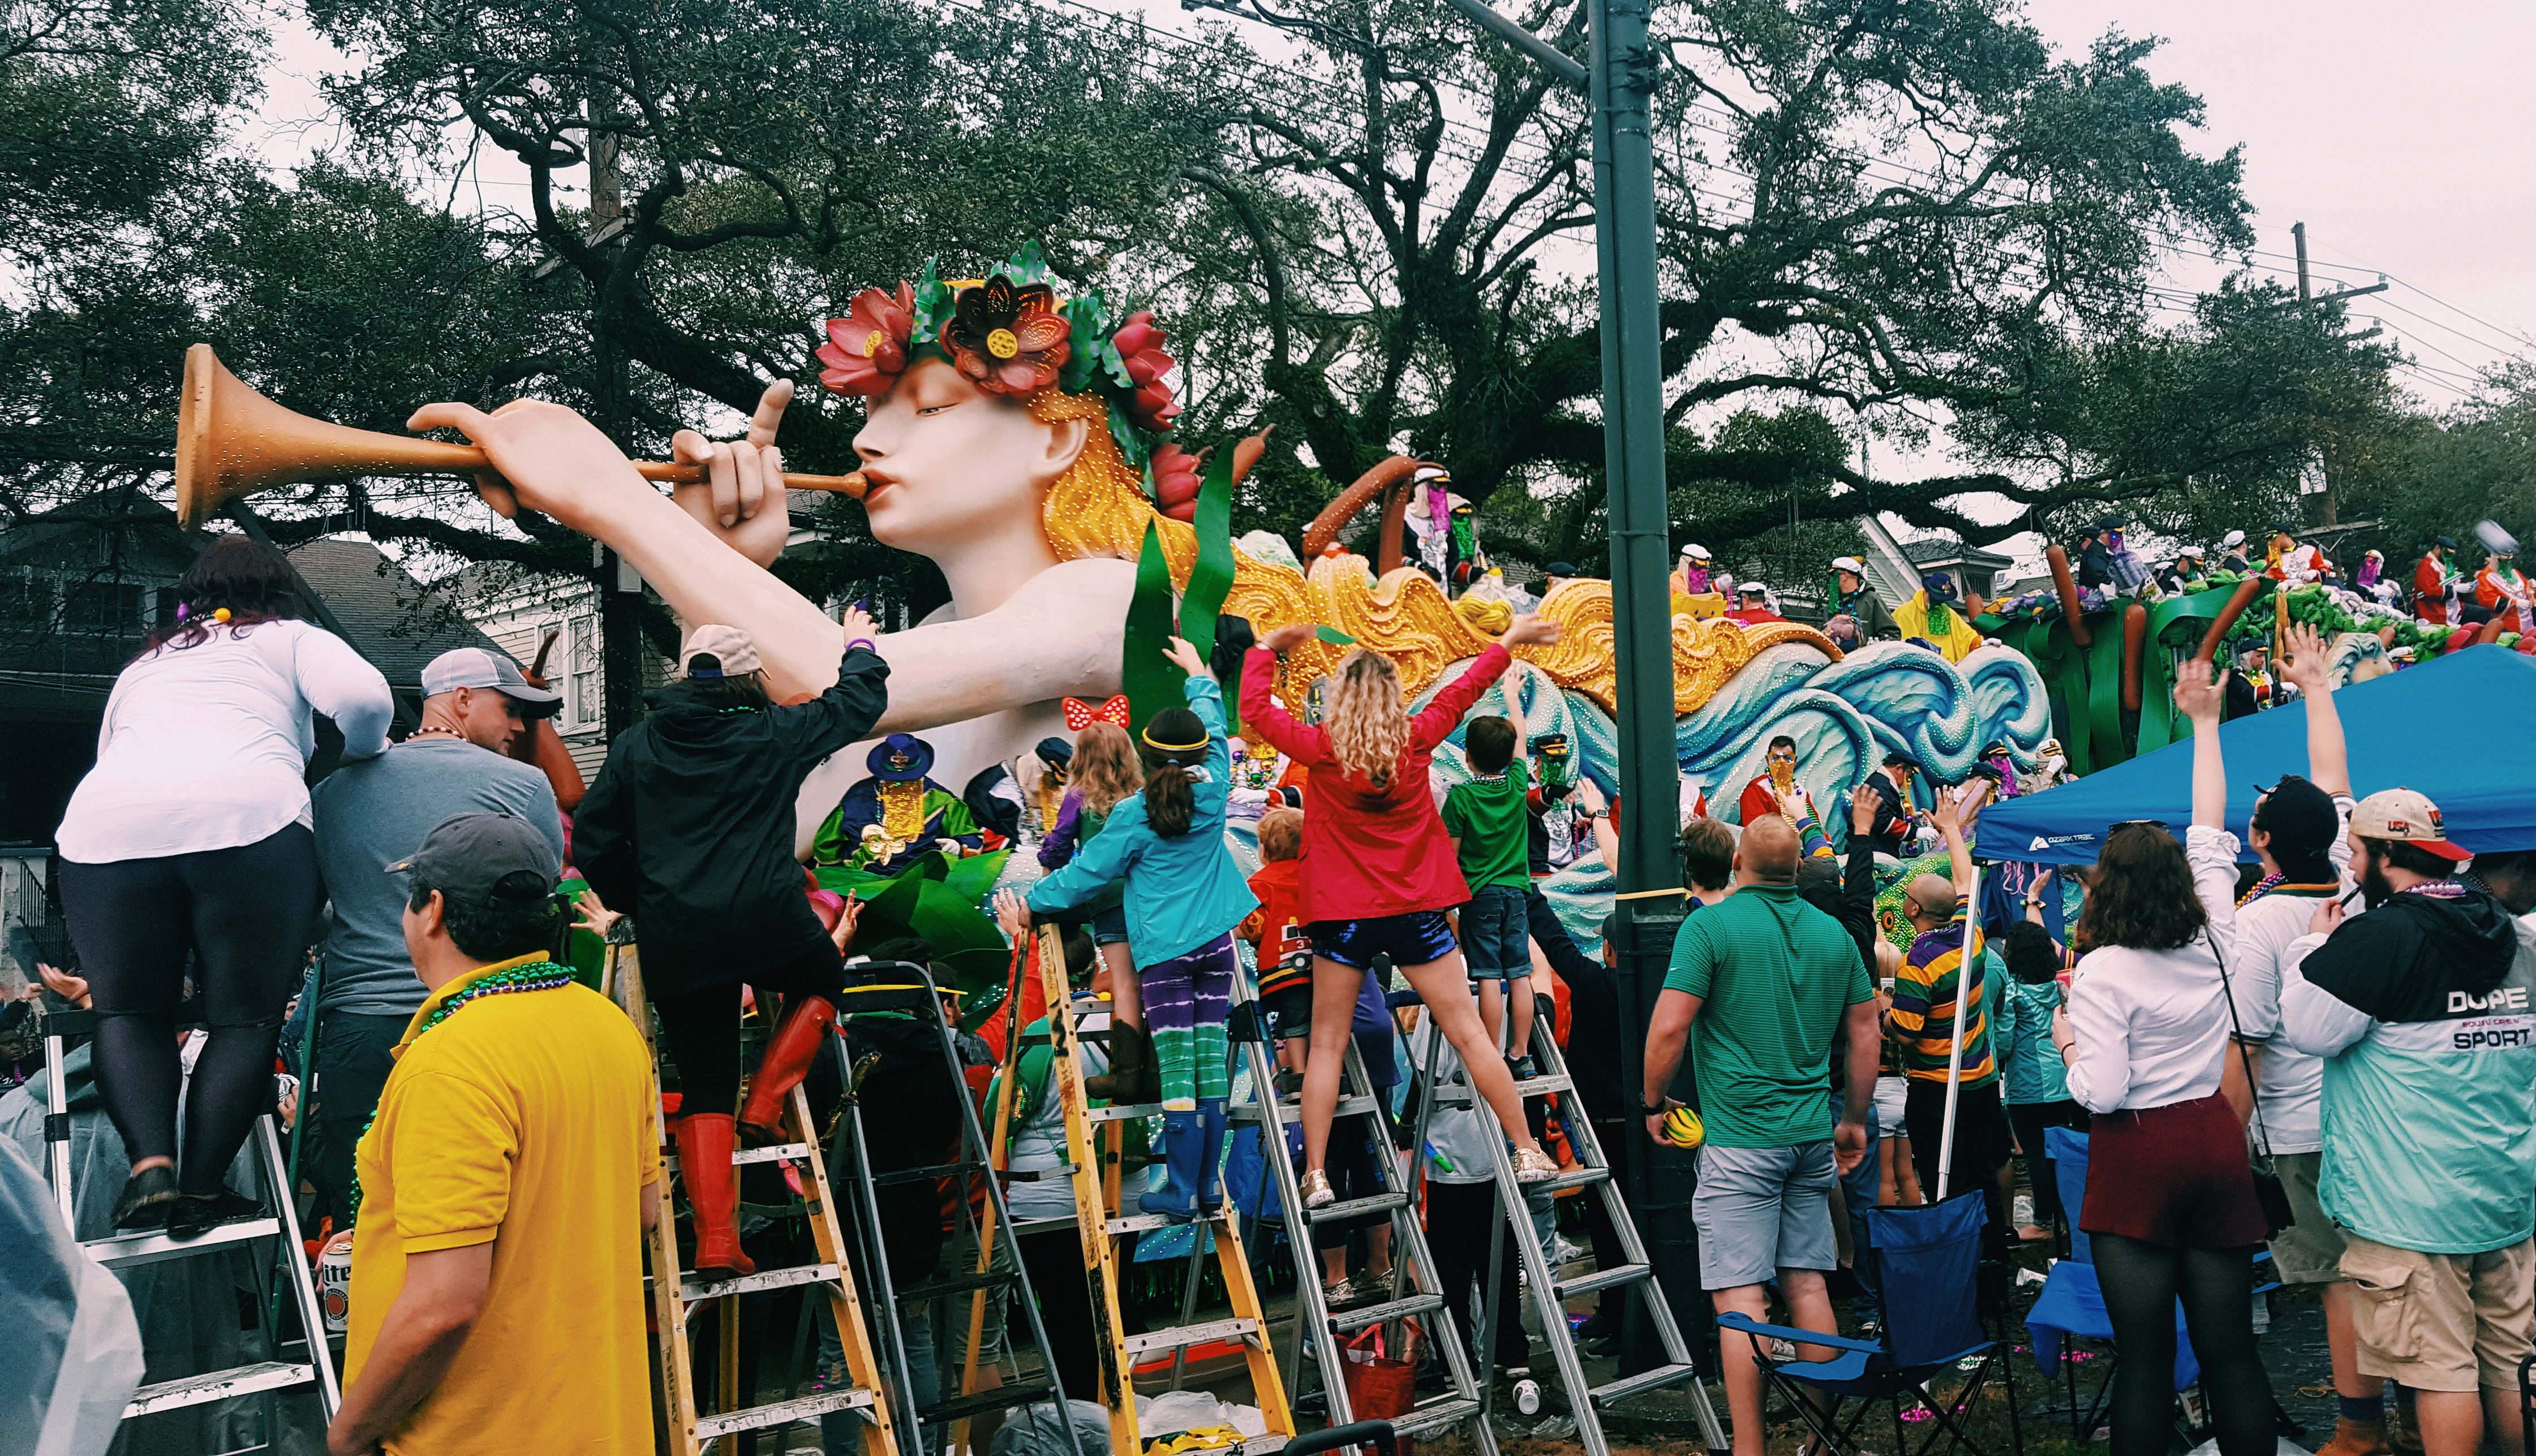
(392, 619)
(1937, 550)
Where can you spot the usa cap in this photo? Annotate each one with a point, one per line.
(2406, 816)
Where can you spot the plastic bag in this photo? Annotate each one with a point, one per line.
(75, 1349)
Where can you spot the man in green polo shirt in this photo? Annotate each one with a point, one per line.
(1770, 986)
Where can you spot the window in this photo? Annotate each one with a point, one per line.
(27, 601)
(582, 698)
(103, 608)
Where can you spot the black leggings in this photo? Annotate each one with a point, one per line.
(2142, 1281)
(1460, 1220)
(2031, 1120)
(244, 913)
(702, 1026)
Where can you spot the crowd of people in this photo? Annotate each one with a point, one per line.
(2331, 1053)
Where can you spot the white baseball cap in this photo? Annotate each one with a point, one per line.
(2407, 815)
(1694, 552)
(476, 667)
(1753, 589)
(1850, 564)
(2232, 539)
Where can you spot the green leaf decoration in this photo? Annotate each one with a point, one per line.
(1334, 637)
(934, 301)
(1085, 343)
(1211, 580)
(1130, 441)
(1149, 679)
(1028, 265)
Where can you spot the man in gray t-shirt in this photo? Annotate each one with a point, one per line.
(370, 815)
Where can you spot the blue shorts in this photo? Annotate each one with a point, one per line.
(1109, 926)
(1413, 940)
(1496, 934)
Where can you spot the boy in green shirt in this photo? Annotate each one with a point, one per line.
(1486, 816)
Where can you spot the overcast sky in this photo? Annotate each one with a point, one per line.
(2401, 138)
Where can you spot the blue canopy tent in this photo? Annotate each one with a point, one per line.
(2456, 728)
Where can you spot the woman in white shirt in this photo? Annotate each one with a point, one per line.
(2171, 1209)
(190, 838)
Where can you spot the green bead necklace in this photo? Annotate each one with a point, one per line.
(533, 975)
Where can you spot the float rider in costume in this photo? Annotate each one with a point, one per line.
(2500, 587)
(1775, 790)
(2435, 584)
(1934, 616)
(1853, 598)
(887, 822)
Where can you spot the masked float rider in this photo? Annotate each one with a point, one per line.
(890, 820)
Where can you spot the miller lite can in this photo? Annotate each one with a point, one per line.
(334, 1281)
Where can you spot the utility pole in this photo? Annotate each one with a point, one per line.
(620, 588)
(2298, 231)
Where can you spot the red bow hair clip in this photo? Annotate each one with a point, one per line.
(1080, 715)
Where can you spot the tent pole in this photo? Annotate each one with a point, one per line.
(1955, 1050)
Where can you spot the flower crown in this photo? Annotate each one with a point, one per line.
(1010, 335)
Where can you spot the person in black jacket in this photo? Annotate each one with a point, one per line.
(1894, 809)
(690, 827)
(1849, 896)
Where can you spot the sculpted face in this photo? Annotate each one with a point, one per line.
(951, 466)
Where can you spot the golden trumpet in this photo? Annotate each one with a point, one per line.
(233, 442)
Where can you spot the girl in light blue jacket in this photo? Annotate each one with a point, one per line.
(1185, 894)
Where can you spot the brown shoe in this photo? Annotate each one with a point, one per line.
(2357, 1438)
(1131, 1052)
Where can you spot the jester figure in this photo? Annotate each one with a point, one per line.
(887, 822)
(1776, 791)
(1444, 531)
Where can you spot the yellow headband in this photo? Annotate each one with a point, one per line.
(1162, 747)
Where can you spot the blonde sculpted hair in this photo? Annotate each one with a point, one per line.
(1106, 767)
(1365, 719)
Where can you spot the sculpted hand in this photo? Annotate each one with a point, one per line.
(743, 500)
(549, 460)
(1531, 628)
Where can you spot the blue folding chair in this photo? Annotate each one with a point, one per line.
(1927, 1264)
(2073, 1305)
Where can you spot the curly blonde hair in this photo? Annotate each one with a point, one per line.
(1366, 720)
(1106, 767)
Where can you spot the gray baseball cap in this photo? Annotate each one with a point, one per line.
(468, 855)
(474, 667)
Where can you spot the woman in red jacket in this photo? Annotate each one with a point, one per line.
(1378, 872)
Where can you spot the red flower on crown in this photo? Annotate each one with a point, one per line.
(867, 350)
(1010, 340)
(1139, 342)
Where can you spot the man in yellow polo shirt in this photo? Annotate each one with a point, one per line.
(504, 1185)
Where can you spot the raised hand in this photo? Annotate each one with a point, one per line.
(1529, 629)
(856, 622)
(2201, 698)
(1013, 914)
(1183, 653)
(743, 499)
(1863, 804)
(2307, 660)
(1289, 637)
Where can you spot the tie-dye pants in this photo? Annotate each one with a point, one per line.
(1186, 1000)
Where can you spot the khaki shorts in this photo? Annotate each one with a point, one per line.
(2309, 1251)
(2442, 1321)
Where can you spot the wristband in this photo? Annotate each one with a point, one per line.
(1658, 1110)
(866, 643)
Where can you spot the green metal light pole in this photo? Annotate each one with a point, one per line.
(1620, 83)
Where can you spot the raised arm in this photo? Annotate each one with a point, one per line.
(1959, 855)
(1262, 714)
(2310, 666)
(342, 684)
(1437, 721)
(2201, 698)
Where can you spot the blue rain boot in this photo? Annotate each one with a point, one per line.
(1210, 1188)
(1176, 1199)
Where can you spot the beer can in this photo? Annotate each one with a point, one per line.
(334, 1281)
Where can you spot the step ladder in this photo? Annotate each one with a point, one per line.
(1547, 1293)
(1414, 1293)
(677, 1295)
(1094, 1140)
(280, 1222)
(910, 988)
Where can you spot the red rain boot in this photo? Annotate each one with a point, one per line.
(797, 1039)
(704, 1163)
